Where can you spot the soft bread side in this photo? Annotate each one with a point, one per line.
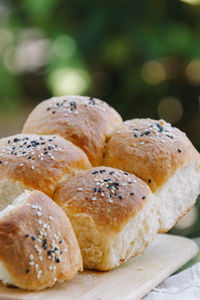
(113, 214)
(162, 156)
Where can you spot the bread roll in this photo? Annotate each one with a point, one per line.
(112, 213)
(36, 162)
(35, 249)
(84, 121)
(162, 156)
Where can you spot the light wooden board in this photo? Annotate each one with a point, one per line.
(132, 280)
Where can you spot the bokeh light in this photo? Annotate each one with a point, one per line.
(64, 46)
(69, 81)
(192, 71)
(192, 2)
(170, 109)
(153, 72)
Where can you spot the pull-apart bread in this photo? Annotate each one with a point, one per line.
(112, 213)
(162, 156)
(36, 162)
(85, 121)
(35, 249)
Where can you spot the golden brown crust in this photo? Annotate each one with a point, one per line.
(84, 121)
(39, 161)
(110, 196)
(35, 248)
(152, 150)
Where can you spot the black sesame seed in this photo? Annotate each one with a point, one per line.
(53, 112)
(179, 150)
(130, 182)
(95, 190)
(169, 136)
(120, 197)
(147, 132)
(8, 141)
(33, 238)
(27, 235)
(56, 249)
(112, 172)
(125, 173)
(27, 271)
(60, 242)
(46, 152)
(1, 162)
(159, 127)
(44, 243)
(48, 108)
(95, 172)
(149, 180)
(143, 197)
(29, 157)
(16, 140)
(135, 135)
(61, 252)
(57, 260)
(132, 194)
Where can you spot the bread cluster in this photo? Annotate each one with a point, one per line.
(115, 185)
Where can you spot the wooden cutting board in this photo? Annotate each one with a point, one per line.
(132, 280)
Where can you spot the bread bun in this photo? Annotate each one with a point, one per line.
(113, 215)
(35, 249)
(36, 162)
(162, 156)
(85, 121)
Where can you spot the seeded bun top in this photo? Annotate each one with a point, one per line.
(39, 162)
(109, 196)
(152, 150)
(86, 122)
(35, 248)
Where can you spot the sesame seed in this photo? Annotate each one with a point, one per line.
(179, 150)
(27, 271)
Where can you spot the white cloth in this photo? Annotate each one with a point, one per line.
(182, 286)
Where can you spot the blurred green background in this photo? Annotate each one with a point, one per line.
(142, 57)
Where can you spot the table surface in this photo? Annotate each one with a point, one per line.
(132, 280)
